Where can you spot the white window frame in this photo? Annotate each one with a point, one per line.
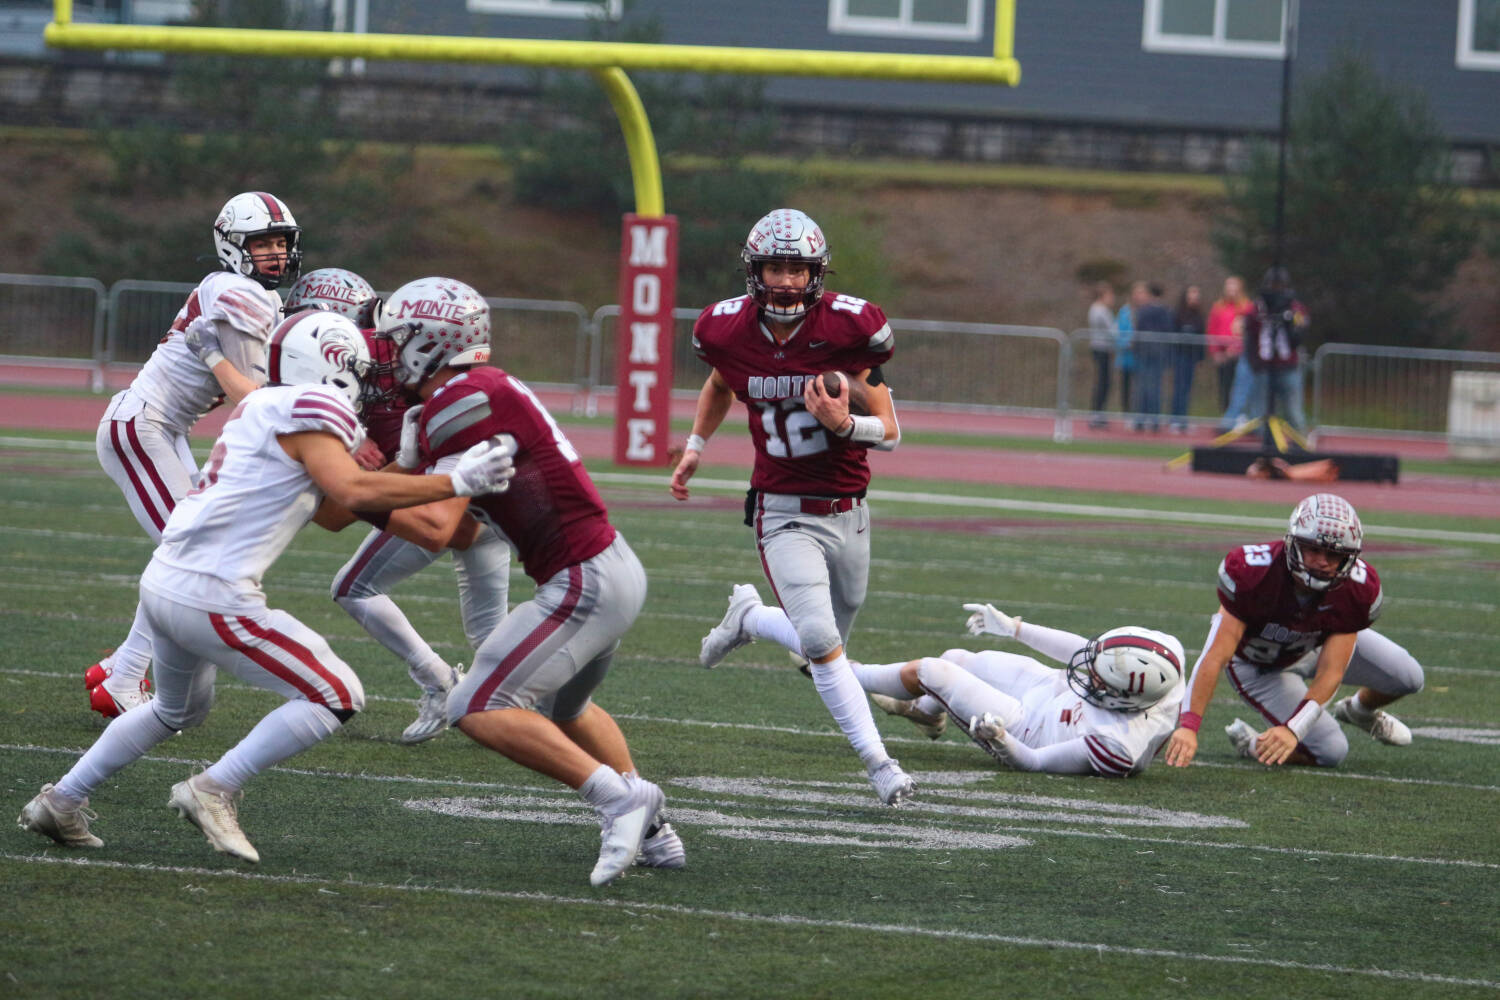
(577, 9)
(841, 22)
(1155, 40)
(1467, 57)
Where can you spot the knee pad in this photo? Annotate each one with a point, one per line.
(191, 716)
(818, 640)
(1331, 749)
(959, 656)
(933, 672)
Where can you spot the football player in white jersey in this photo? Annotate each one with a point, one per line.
(362, 586)
(283, 452)
(1108, 713)
(214, 351)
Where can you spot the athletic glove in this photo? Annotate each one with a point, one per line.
(203, 340)
(406, 454)
(989, 620)
(487, 467)
(989, 733)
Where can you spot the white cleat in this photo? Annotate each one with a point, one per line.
(662, 849)
(216, 814)
(47, 815)
(931, 725)
(1380, 724)
(892, 784)
(1242, 737)
(729, 635)
(625, 831)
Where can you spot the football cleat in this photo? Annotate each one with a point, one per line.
(930, 724)
(1242, 737)
(432, 712)
(729, 635)
(1380, 724)
(216, 814)
(111, 700)
(69, 827)
(891, 783)
(662, 849)
(625, 830)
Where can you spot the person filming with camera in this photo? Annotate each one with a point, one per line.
(1273, 334)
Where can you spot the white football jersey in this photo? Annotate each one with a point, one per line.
(178, 385)
(1118, 743)
(251, 500)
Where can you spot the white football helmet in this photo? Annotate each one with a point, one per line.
(787, 235)
(1323, 521)
(318, 347)
(338, 290)
(255, 213)
(1127, 669)
(435, 322)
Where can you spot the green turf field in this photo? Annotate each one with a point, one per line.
(442, 870)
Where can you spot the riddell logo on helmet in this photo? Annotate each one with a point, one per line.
(430, 309)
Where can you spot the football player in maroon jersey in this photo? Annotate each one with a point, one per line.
(806, 364)
(1307, 598)
(528, 695)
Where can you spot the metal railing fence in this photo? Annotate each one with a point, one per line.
(77, 322)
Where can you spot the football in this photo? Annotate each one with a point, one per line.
(834, 386)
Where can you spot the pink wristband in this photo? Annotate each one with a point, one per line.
(1190, 720)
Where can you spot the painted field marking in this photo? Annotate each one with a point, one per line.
(767, 919)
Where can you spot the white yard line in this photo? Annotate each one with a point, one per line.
(766, 919)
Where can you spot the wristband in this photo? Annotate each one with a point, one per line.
(1189, 720)
(695, 442)
(865, 430)
(1302, 720)
(212, 359)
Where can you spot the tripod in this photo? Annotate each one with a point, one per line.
(1280, 431)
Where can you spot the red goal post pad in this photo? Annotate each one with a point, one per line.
(643, 348)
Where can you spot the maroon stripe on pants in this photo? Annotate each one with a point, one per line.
(277, 669)
(529, 644)
(152, 504)
(765, 567)
(347, 580)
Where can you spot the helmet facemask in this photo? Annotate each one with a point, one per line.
(1327, 522)
(1126, 669)
(789, 236)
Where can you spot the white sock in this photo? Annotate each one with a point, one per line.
(927, 703)
(124, 741)
(771, 623)
(846, 700)
(1359, 710)
(882, 678)
(284, 732)
(604, 788)
(387, 625)
(129, 661)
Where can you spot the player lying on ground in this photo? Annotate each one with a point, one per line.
(1107, 713)
(1299, 605)
(285, 449)
(363, 585)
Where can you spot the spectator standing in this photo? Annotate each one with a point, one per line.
(1226, 345)
(1273, 337)
(1102, 346)
(1125, 341)
(1185, 354)
(1151, 317)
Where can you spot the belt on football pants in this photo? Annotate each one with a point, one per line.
(817, 506)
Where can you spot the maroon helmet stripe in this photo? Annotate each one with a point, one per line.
(272, 205)
(1141, 642)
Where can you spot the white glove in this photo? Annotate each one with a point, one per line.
(987, 619)
(989, 733)
(487, 467)
(203, 340)
(406, 454)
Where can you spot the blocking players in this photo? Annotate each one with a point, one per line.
(1306, 601)
(768, 348)
(362, 586)
(285, 448)
(214, 351)
(528, 695)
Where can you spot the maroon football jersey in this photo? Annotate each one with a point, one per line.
(1282, 621)
(793, 452)
(383, 419)
(551, 513)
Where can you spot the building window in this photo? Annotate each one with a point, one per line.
(610, 9)
(1216, 27)
(1479, 34)
(952, 19)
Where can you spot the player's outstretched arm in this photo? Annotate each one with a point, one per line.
(485, 468)
(230, 355)
(1224, 638)
(714, 401)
